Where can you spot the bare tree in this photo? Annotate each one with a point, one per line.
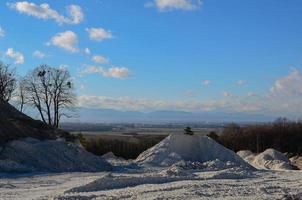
(50, 91)
(63, 96)
(20, 95)
(7, 82)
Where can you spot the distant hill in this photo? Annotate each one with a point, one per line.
(15, 125)
(91, 115)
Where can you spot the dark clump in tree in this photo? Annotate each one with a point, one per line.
(188, 131)
(7, 82)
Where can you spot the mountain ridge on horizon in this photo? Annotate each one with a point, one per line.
(107, 115)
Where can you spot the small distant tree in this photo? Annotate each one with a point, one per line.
(7, 82)
(188, 131)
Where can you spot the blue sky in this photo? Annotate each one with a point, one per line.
(191, 55)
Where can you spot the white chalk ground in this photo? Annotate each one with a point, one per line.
(207, 185)
(182, 167)
(32, 155)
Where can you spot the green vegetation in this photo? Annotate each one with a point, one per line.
(188, 131)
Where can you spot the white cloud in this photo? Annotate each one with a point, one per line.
(144, 104)
(99, 34)
(2, 32)
(206, 82)
(284, 98)
(76, 14)
(87, 51)
(63, 67)
(251, 94)
(189, 94)
(290, 85)
(166, 5)
(17, 56)
(226, 94)
(44, 11)
(117, 72)
(67, 40)
(241, 82)
(114, 72)
(99, 59)
(82, 86)
(274, 102)
(39, 54)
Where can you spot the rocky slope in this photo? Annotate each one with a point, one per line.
(14, 125)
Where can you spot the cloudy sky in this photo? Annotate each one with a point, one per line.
(190, 55)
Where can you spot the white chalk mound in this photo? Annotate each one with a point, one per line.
(297, 161)
(269, 159)
(9, 166)
(109, 155)
(195, 148)
(247, 155)
(48, 156)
